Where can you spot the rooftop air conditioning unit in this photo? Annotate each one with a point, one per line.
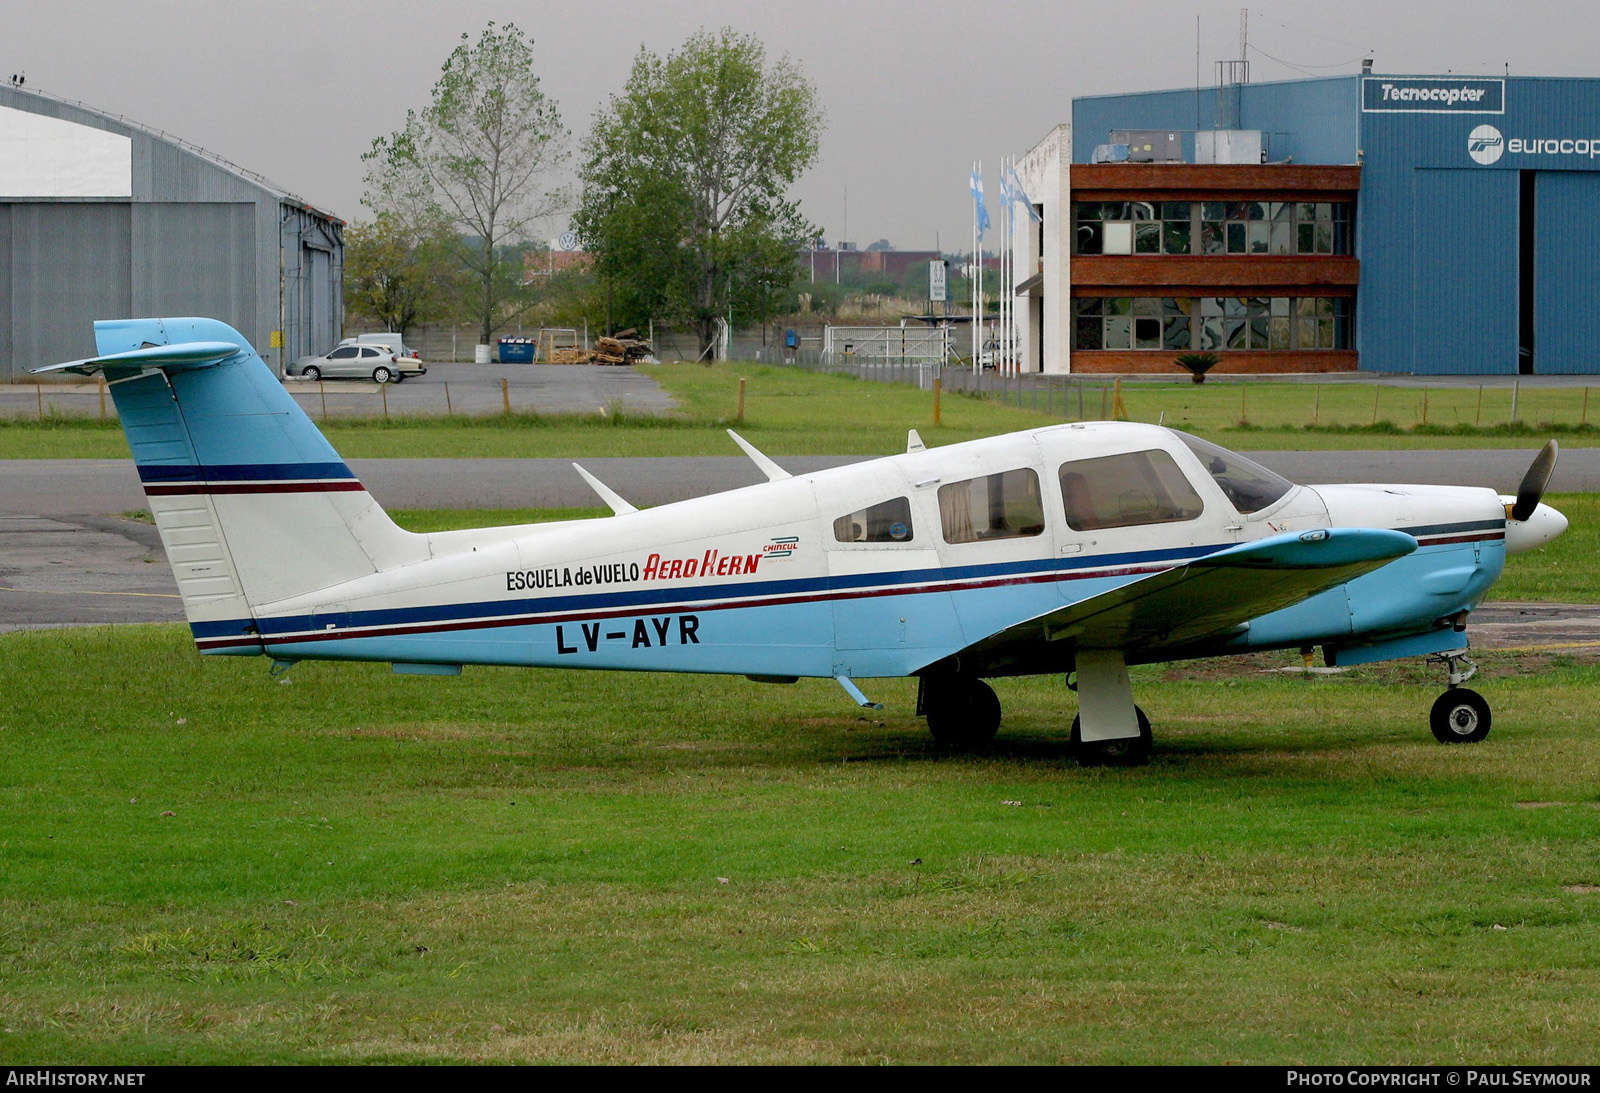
(1150, 145)
(1230, 146)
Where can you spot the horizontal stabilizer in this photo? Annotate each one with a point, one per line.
(1211, 597)
(167, 358)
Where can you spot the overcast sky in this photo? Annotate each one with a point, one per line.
(914, 91)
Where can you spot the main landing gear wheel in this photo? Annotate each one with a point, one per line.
(1130, 751)
(381, 374)
(1460, 716)
(962, 712)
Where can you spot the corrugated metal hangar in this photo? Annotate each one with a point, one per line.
(1422, 224)
(101, 218)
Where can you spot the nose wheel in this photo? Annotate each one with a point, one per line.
(1460, 715)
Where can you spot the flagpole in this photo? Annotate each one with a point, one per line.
(1005, 272)
(972, 273)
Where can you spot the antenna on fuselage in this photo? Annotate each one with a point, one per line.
(607, 494)
(914, 442)
(768, 467)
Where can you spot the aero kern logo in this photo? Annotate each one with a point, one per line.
(1485, 144)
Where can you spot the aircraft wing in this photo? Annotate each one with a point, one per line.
(1208, 597)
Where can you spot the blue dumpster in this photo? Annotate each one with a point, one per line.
(518, 350)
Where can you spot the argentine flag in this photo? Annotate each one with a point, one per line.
(1018, 193)
(977, 197)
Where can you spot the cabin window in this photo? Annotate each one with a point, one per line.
(1249, 486)
(997, 506)
(885, 522)
(1117, 491)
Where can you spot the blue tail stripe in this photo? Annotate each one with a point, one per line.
(242, 472)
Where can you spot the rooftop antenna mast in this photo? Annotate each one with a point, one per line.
(1231, 78)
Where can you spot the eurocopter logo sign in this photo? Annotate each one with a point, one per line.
(1486, 145)
(1433, 95)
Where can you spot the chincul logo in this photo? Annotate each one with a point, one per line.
(1485, 144)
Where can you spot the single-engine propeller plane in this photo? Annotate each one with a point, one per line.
(1073, 549)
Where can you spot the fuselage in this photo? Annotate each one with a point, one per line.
(886, 567)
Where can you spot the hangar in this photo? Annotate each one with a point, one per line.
(1411, 224)
(101, 217)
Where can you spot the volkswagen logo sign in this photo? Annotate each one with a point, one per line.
(1485, 144)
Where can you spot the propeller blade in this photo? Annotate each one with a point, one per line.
(1531, 490)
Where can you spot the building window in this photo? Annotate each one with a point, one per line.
(1216, 323)
(1211, 227)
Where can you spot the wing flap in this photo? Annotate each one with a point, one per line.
(1210, 596)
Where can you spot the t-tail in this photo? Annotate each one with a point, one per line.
(253, 503)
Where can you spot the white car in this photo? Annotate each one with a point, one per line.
(379, 362)
(391, 340)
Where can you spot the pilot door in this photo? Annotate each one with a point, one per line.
(889, 613)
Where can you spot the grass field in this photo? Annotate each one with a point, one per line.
(200, 863)
(791, 412)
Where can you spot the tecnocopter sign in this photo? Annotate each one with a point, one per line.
(1432, 95)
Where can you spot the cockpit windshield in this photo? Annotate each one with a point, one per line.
(1248, 485)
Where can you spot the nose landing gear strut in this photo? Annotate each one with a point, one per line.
(1461, 715)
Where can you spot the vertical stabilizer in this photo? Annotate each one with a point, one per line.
(252, 502)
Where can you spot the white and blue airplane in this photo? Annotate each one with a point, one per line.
(1072, 549)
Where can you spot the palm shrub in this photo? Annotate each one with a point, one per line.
(1197, 364)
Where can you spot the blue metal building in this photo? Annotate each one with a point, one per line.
(103, 218)
(1475, 222)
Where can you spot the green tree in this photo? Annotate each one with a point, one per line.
(398, 277)
(477, 160)
(685, 176)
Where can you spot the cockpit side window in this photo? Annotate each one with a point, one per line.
(1249, 486)
(885, 522)
(997, 506)
(1132, 488)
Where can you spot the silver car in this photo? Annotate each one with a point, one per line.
(377, 362)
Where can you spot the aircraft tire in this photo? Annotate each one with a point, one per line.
(1460, 716)
(1130, 752)
(962, 713)
(312, 373)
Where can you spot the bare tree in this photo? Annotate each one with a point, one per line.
(477, 159)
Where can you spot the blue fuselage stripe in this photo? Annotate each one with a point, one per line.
(506, 612)
(894, 582)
